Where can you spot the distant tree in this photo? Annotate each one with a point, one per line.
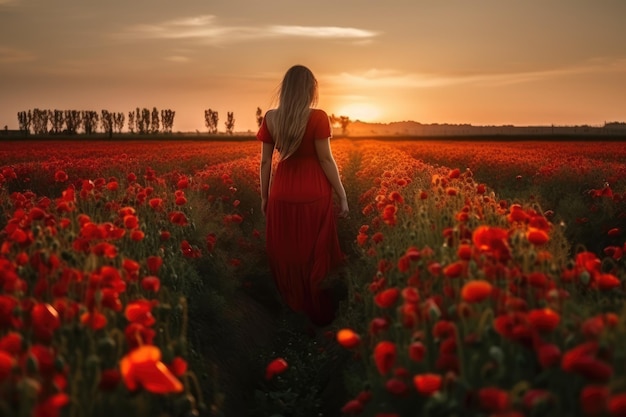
(24, 119)
(142, 120)
(211, 119)
(145, 120)
(90, 121)
(40, 121)
(230, 122)
(344, 121)
(57, 118)
(73, 121)
(259, 116)
(106, 120)
(167, 120)
(131, 121)
(118, 121)
(154, 121)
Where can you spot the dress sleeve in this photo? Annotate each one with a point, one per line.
(264, 134)
(323, 129)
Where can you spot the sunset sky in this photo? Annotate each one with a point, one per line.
(484, 62)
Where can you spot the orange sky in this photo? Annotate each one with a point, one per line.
(530, 62)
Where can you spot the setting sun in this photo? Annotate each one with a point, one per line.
(365, 112)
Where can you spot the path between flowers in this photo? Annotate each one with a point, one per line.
(255, 328)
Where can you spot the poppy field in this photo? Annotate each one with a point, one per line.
(482, 279)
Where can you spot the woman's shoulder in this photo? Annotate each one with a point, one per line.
(319, 114)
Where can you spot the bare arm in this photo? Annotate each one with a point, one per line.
(329, 166)
(265, 172)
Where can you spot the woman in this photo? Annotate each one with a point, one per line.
(301, 233)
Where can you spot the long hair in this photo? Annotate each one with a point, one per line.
(298, 93)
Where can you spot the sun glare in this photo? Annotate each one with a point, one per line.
(364, 112)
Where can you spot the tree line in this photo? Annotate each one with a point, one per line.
(141, 121)
(71, 122)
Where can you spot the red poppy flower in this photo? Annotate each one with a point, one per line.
(410, 295)
(105, 249)
(592, 327)
(142, 367)
(348, 338)
(6, 365)
(45, 320)
(536, 236)
(389, 214)
(444, 329)
(464, 252)
(544, 319)
(614, 232)
(548, 355)
(378, 324)
(427, 384)
(137, 235)
(517, 214)
(385, 356)
(44, 358)
(178, 217)
(607, 282)
(112, 185)
(12, 343)
(588, 261)
(593, 369)
(476, 291)
(594, 400)
(95, 320)
(492, 241)
(617, 405)
(178, 366)
(154, 264)
(140, 311)
(60, 176)
(493, 399)
(377, 237)
(454, 270)
(454, 173)
(352, 407)
(387, 298)
(189, 251)
(131, 221)
(396, 197)
(417, 351)
(151, 283)
(275, 367)
(51, 406)
(571, 356)
(397, 387)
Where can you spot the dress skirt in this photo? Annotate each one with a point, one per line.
(302, 242)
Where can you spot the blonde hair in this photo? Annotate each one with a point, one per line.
(298, 93)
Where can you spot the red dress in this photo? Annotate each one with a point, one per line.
(301, 231)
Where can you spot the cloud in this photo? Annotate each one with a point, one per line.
(207, 29)
(11, 55)
(322, 32)
(388, 78)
